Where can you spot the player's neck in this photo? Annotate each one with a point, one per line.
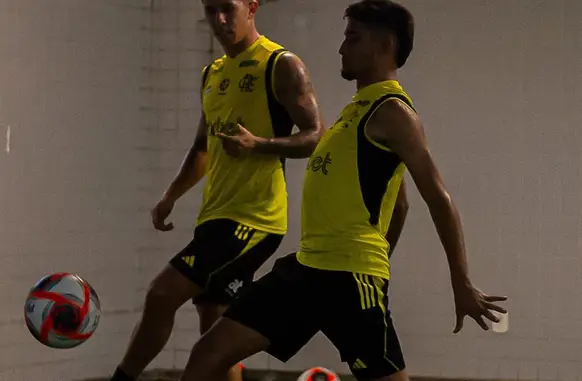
(372, 78)
(236, 49)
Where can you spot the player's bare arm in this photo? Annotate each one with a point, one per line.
(398, 218)
(295, 91)
(193, 166)
(191, 171)
(396, 126)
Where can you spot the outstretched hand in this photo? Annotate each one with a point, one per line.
(469, 301)
(241, 143)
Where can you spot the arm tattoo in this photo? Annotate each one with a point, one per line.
(296, 93)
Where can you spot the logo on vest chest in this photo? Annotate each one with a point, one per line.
(320, 163)
(224, 126)
(224, 84)
(247, 83)
(350, 113)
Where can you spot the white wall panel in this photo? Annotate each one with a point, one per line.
(70, 91)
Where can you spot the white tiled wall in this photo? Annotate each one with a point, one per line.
(99, 117)
(102, 101)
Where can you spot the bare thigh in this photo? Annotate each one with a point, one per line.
(209, 313)
(171, 289)
(224, 345)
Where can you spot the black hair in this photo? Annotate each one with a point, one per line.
(390, 16)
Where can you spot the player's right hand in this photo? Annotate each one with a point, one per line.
(470, 301)
(159, 214)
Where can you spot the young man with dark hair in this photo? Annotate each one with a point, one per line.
(251, 99)
(338, 281)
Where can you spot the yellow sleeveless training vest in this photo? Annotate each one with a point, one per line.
(351, 186)
(250, 190)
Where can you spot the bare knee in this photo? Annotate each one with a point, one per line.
(209, 314)
(168, 292)
(158, 300)
(398, 376)
(224, 345)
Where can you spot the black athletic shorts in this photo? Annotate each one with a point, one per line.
(223, 257)
(293, 302)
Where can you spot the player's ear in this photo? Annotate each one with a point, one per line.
(390, 43)
(253, 7)
(380, 38)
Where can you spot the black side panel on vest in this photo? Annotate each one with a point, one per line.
(375, 166)
(280, 118)
(204, 78)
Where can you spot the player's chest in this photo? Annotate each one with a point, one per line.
(344, 132)
(228, 89)
(343, 138)
(334, 155)
(352, 114)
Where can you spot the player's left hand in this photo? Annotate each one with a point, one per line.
(469, 301)
(242, 143)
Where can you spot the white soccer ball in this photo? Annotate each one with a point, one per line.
(62, 310)
(318, 374)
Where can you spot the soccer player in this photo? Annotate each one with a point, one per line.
(338, 281)
(255, 93)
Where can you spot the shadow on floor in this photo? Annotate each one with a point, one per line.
(254, 375)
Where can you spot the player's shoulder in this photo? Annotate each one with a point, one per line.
(288, 66)
(215, 65)
(219, 61)
(273, 47)
(395, 108)
(390, 100)
(391, 118)
(286, 61)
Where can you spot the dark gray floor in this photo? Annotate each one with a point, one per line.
(250, 375)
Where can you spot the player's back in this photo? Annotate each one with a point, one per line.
(350, 190)
(247, 189)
